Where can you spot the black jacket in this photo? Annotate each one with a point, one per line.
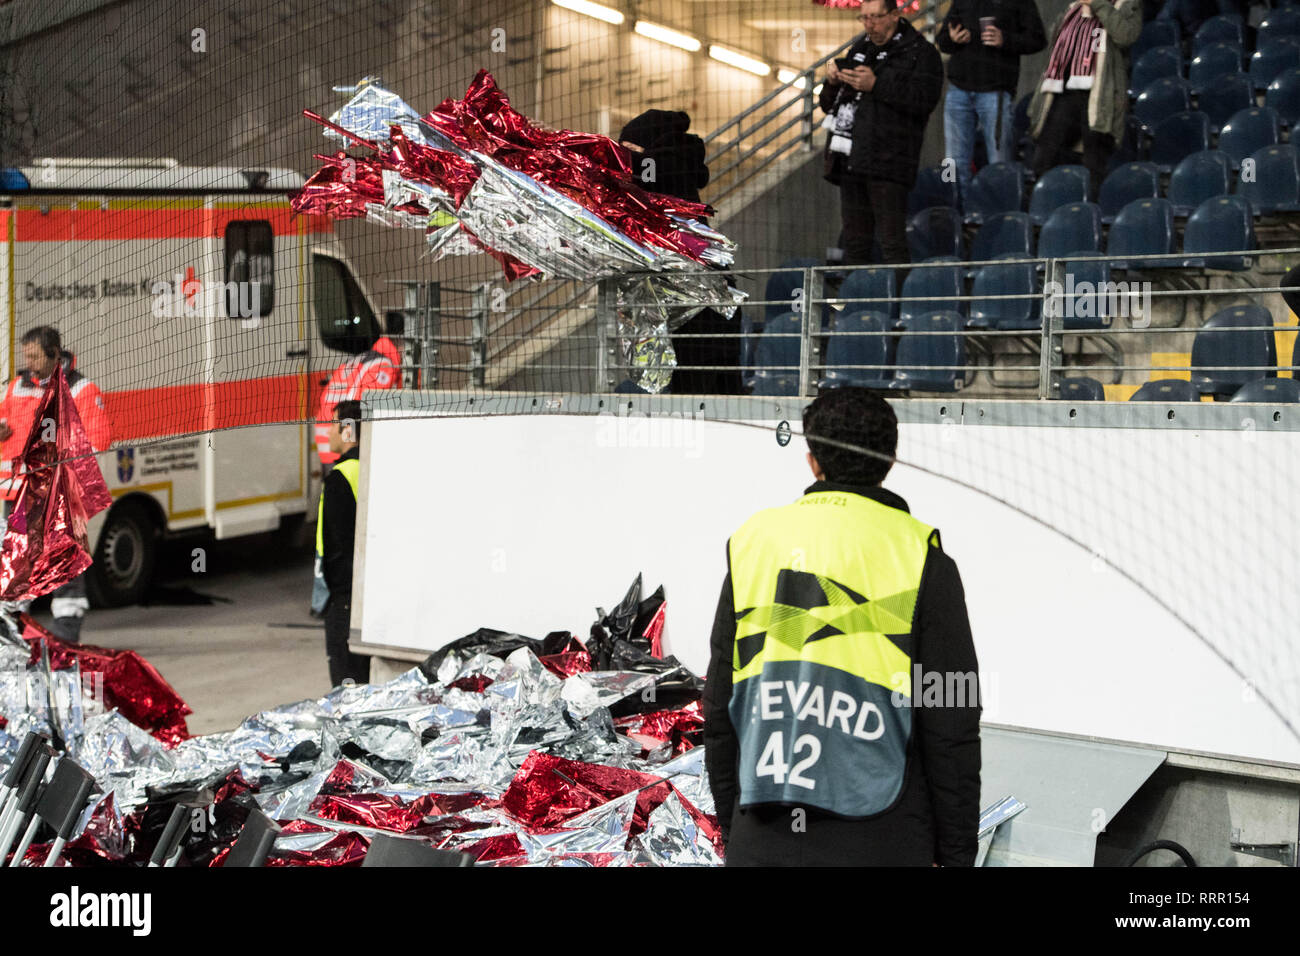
(937, 814)
(340, 517)
(977, 68)
(891, 119)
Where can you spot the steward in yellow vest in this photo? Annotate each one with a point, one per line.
(335, 542)
(826, 742)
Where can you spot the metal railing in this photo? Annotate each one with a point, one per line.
(1127, 329)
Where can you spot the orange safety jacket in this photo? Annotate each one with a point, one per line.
(377, 369)
(23, 398)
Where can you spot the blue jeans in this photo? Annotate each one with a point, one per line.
(963, 113)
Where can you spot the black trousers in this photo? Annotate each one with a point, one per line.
(1065, 125)
(343, 663)
(872, 209)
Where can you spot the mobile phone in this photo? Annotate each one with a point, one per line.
(844, 63)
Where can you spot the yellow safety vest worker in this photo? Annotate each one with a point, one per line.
(825, 592)
(349, 468)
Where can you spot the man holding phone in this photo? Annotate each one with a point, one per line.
(986, 39)
(878, 99)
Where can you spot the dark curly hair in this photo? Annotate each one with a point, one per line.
(857, 417)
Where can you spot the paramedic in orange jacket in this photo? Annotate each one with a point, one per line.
(377, 368)
(42, 351)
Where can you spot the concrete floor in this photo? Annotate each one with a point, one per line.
(224, 658)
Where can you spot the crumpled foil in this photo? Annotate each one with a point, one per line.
(486, 749)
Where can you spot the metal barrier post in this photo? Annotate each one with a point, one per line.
(809, 108)
(478, 334)
(605, 340)
(812, 290)
(1052, 347)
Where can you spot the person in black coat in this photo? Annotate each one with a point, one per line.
(879, 97)
(670, 161)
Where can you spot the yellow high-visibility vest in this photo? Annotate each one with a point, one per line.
(825, 592)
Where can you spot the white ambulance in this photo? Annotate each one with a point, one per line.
(206, 312)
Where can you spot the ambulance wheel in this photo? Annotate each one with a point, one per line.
(125, 557)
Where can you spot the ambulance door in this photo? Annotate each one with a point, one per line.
(257, 369)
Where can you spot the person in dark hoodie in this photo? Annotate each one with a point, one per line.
(670, 161)
(986, 39)
(879, 98)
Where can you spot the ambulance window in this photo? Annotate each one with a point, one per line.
(250, 279)
(344, 318)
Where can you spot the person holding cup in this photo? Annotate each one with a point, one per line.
(985, 40)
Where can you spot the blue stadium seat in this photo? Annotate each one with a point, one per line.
(998, 187)
(783, 287)
(1179, 136)
(1275, 186)
(1269, 62)
(915, 351)
(1269, 391)
(1006, 234)
(1220, 342)
(1005, 278)
(1153, 64)
(879, 284)
(1229, 95)
(1156, 33)
(1080, 388)
(1071, 230)
(935, 232)
(778, 357)
(1057, 187)
(1211, 63)
(1219, 29)
(1249, 130)
(1125, 184)
(1223, 223)
(931, 189)
(1165, 97)
(1280, 23)
(1283, 95)
(860, 349)
(930, 288)
(1085, 299)
(1166, 390)
(1143, 227)
(1199, 177)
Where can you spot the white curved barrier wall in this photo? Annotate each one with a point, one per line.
(524, 523)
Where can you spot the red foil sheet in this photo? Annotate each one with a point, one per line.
(503, 847)
(548, 790)
(383, 812)
(130, 683)
(45, 543)
(567, 663)
(474, 683)
(665, 725)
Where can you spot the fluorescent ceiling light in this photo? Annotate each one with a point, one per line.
(817, 90)
(792, 78)
(608, 14)
(664, 35)
(739, 60)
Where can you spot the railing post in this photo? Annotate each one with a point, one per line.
(431, 328)
(478, 335)
(1052, 347)
(605, 339)
(809, 108)
(808, 353)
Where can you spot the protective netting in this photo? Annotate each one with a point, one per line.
(211, 316)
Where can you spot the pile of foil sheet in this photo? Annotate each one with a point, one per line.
(477, 176)
(506, 748)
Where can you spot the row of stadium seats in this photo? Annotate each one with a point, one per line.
(924, 349)
(1224, 28)
(1144, 226)
(1265, 391)
(1216, 61)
